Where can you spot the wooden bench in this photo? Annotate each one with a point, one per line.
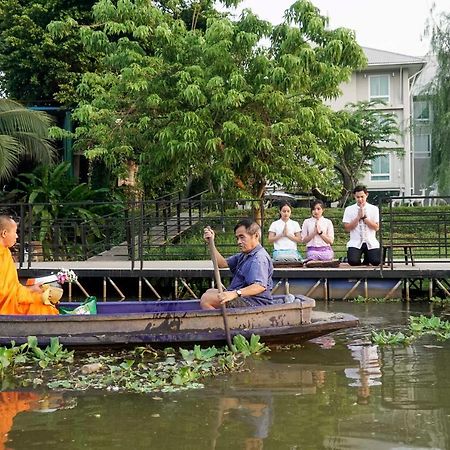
(388, 250)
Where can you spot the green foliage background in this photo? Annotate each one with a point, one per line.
(440, 98)
(213, 104)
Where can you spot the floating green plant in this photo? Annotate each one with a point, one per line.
(254, 347)
(422, 324)
(440, 301)
(417, 327)
(15, 355)
(387, 338)
(362, 299)
(142, 369)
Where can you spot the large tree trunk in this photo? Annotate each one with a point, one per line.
(257, 208)
(347, 185)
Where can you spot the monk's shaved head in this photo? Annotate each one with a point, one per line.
(6, 222)
(8, 231)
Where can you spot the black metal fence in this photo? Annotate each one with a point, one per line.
(171, 228)
(416, 228)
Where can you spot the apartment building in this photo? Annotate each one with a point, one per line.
(392, 77)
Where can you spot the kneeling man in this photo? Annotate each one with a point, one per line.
(361, 220)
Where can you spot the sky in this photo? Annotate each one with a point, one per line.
(392, 25)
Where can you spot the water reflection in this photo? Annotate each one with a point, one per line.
(252, 401)
(368, 373)
(312, 397)
(13, 403)
(254, 412)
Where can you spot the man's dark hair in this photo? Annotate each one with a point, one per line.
(250, 226)
(360, 188)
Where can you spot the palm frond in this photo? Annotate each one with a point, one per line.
(14, 117)
(24, 134)
(9, 156)
(36, 148)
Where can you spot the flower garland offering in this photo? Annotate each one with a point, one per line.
(66, 276)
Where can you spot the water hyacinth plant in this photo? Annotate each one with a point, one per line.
(142, 369)
(387, 338)
(417, 327)
(440, 301)
(362, 299)
(14, 356)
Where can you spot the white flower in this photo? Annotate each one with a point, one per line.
(66, 276)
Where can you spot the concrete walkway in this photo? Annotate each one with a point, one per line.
(156, 236)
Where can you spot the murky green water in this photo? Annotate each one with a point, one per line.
(333, 394)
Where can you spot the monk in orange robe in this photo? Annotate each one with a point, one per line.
(14, 297)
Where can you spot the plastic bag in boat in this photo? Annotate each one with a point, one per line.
(289, 298)
(285, 298)
(89, 306)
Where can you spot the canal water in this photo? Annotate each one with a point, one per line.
(339, 392)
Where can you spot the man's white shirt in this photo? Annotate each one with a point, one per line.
(362, 233)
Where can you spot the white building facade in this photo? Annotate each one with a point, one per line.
(390, 77)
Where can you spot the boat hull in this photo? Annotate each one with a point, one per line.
(166, 323)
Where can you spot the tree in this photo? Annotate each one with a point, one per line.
(187, 103)
(373, 129)
(23, 135)
(440, 100)
(35, 67)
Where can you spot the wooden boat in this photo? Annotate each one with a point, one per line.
(175, 323)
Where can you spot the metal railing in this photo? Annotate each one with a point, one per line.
(411, 229)
(171, 228)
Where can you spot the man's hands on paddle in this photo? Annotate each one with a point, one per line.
(208, 234)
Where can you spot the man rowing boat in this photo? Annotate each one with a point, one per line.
(252, 270)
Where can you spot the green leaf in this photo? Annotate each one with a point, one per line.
(32, 342)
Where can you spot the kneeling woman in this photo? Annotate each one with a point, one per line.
(284, 234)
(318, 234)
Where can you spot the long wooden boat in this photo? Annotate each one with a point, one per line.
(168, 323)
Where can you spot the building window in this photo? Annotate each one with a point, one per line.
(381, 168)
(379, 87)
(422, 145)
(422, 111)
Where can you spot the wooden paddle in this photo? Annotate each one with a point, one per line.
(220, 289)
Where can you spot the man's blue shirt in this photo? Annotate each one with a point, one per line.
(250, 268)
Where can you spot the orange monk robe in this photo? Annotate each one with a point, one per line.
(11, 404)
(14, 297)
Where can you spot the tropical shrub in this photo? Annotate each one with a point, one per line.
(61, 213)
